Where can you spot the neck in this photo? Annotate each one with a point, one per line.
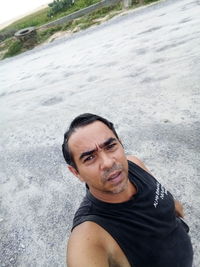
(120, 197)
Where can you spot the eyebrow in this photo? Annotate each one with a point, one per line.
(104, 144)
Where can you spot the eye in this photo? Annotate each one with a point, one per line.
(111, 146)
(91, 157)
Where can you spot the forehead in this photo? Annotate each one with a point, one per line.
(89, 136)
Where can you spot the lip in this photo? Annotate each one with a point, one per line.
(115, 177)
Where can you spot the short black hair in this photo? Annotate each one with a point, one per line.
(80, 121)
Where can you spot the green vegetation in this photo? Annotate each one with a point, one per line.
(35, 19)
(6, 44)
(11, 46)
(41, 17)
(14, 48)
(43, 35)
(91, 19)
(57, 6)
(149, 1)
(78, 24)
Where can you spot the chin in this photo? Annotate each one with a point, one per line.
(120, 188)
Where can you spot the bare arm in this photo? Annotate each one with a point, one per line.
(85, 249)
(179, 208)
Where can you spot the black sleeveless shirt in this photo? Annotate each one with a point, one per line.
(145, 227)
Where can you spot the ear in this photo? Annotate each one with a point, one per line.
(74, 172)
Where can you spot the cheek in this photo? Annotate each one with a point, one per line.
(121, 155)
(122, 159)
(89, 172)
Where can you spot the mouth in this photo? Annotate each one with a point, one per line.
(115, 177)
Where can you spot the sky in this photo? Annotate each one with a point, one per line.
(13, 9)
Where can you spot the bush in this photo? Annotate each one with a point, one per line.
(6, 34)
(14, 49)
(58, 5)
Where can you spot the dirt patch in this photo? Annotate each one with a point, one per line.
(58, 35)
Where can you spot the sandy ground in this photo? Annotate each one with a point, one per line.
(141, 71)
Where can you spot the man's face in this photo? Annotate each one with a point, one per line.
(100, 159)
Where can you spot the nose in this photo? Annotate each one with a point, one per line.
(106, 161)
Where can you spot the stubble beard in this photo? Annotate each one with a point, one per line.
(122, 186)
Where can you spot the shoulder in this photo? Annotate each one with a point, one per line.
(90, 230)
(134, 159)
(86, 245)
(138, 162)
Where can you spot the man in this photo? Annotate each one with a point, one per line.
(127, 217)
